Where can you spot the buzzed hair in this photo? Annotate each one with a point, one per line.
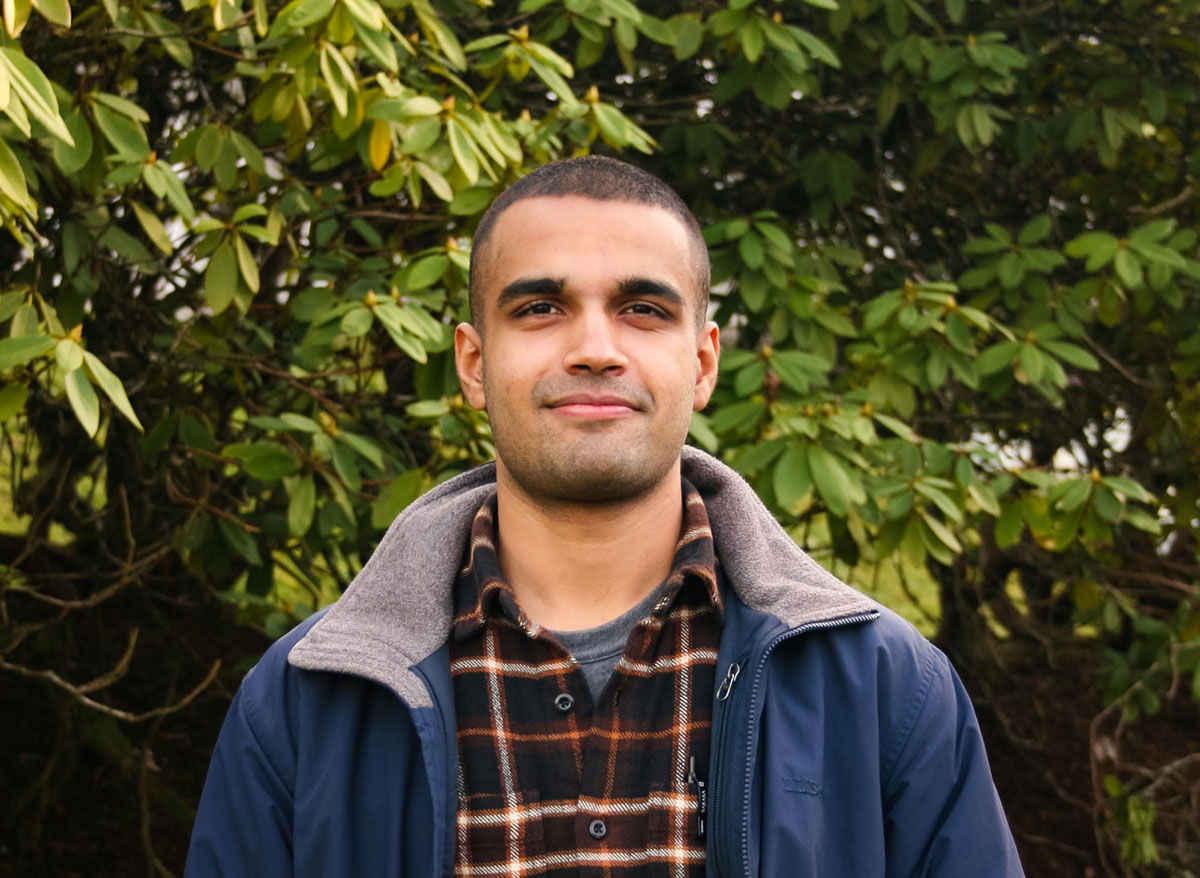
(601, 178)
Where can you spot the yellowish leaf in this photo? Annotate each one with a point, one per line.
(55, 11)
(246, 263)
(153, 227)
(16, 13)
(379, 146)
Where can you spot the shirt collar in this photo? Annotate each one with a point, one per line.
(482, 592)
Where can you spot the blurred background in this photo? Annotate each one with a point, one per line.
(954, 248)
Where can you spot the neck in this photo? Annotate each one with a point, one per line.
(577, 565)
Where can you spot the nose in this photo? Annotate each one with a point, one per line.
(594, 345)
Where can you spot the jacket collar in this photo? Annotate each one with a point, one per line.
(397, 611)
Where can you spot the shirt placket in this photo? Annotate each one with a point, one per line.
(602, 828)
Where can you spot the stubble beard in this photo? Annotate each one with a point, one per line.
(597, 464)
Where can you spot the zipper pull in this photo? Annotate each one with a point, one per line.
(701, 789)
(727, 684)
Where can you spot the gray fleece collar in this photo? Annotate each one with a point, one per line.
(397, 610)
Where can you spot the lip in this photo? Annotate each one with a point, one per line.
(588, 405)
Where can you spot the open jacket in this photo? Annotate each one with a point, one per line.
(844, 744)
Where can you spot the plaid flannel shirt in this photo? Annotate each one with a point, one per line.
(551, 784)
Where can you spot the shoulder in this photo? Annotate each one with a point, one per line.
(883, 672)
(879, 651)
(268, 699)
(271, 674)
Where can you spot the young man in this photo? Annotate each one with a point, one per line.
(600, 656)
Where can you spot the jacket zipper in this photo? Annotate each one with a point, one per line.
(727, 833)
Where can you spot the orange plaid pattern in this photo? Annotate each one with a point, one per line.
(553, 785)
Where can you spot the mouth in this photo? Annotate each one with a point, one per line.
(593, 406)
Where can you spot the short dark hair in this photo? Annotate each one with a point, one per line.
(601, 178)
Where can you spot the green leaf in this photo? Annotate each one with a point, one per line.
(241, 541)
(363, 446)
(302, 503)
(997, 357)
(83, 400)
(1010, 269)
(985, 497)
(689, 37)
(940, 499)
(699, 430)
(1097, 247)
(357, 322)
(816, 47)
(175, 45)
(112, 387)
(464, 155)
(55, 11)
(339, 85)
(153, 227)
(246, 263)
(20, 350)
(428, 408)
(1009, 525)
(1106, 504)
(1033, 364)
(1076, 494)
(125, 135)
(1142, 520)
(897, 426)
(69, 354)
(1157, 253)
(72, 158)
(799, 370)
(264, 460)
(941, 531)
(1129, 269)
(1034, 231)
(32, 88)
(1071, 354)
(426, 271)
(615, 128)
(394, 498)
(1129, 488)
(12, 400)
(657, 30)
(221, 278)
(792, 479)
(1152, 232)
(471, 201)
(122, 106)
(835, 485)
(487, 42)
(751, 37)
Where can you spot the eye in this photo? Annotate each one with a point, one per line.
(538, 309)
(644, 309)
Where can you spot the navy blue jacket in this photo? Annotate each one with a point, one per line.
(843, 742)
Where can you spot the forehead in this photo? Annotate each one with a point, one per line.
(585, 242)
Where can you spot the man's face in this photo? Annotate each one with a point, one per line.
(593, 360)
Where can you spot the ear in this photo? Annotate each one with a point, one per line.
(468, 360)
(708, 353)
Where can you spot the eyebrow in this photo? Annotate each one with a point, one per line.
(639, 287)
(525, 287)
(644, 287)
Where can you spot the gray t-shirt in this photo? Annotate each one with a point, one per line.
(598, 649)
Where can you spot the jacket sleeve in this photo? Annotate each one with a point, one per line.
(942, 815)
(244, 822)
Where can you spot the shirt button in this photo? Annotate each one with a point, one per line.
(597, 829)
(564, 702)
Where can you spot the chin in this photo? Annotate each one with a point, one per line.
(600, 482)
